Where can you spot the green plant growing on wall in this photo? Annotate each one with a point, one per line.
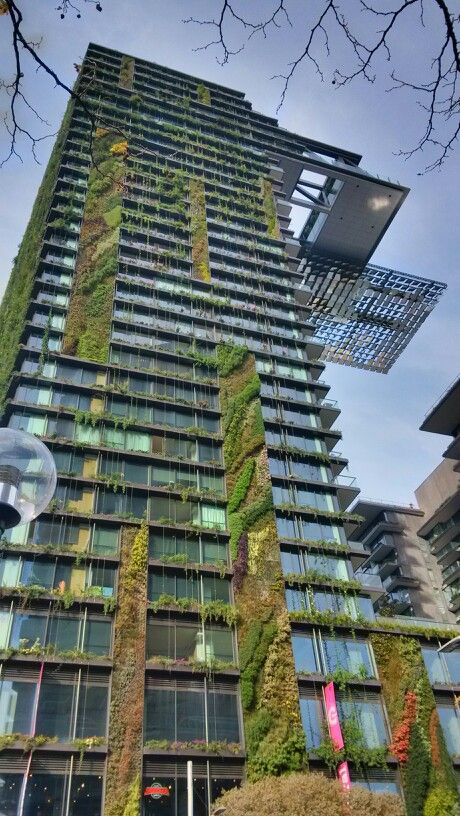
(89, 317)
(126, 73)
(274, 735)
(126, 704)
(271, 217)
(16, 299)
(427, 771)
(199, 230)
(203, 94)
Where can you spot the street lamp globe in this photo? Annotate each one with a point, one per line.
(27, 477)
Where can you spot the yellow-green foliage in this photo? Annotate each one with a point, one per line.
(17, 294)
(133, 803)
(127, 694)
(199, 230)
(88, 323)
(204, 94)
(271, 216)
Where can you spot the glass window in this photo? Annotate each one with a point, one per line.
(215, 589)
(450, 724)
(5, 617)
(190, 715)
(63, 633)
(219, 643)
(297, 600)
(381, 784)
(214, 552)
(9, 571)
(291, 561)
(352, 655)
(223, 717)
(55, 705)
(85, 795)
(160, 714)
(16, 706)
(10, 791)
(368, 713)
(105, 540)
(92, 710)
(27, 629)
(97, 637)
(435, 665)
(304, 651)
(311, 711)
(44, 794)
(328, 565)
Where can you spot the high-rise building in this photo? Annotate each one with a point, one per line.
(411, 578)
(439, 495)
(189, 591)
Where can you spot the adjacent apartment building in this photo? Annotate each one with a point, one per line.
(438, 496)
(190, 589)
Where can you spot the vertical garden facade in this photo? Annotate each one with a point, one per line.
(190, 588)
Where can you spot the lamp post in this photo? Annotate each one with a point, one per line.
(27, 477)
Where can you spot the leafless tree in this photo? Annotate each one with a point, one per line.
(437, 93)
(19, 104)
(26, 50)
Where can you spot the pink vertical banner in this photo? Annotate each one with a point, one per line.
(344, 776)
(335, 732)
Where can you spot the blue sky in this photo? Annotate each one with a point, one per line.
(380, 413)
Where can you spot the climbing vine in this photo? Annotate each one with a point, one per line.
(418, 742)
(271, 217)
(203, 94)
(122, 796)
(274, 735)
(126, 73)
(90, 310)
(199, 230)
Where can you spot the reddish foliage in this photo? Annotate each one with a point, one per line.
(240, 565)
(401, 736)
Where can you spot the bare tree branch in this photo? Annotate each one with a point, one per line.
(438, 96)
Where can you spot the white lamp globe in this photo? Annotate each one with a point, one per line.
(27, 477)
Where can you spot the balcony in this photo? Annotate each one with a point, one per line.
(370, 583)
(347, 489)
(329, 411)
(399, 602)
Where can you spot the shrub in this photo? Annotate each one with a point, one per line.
(309, 794)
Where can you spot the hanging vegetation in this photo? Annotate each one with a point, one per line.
(89, 318)
(274, 735)
(204, 94)
(122, 797)
(18, 291)
(199, 230)
(126, 73)
(271, 217)
(427, 773)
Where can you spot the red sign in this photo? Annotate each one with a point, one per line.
(156, 791)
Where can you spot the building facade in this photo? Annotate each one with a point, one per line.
(439, 496)
(410, 575)
(190, 589)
